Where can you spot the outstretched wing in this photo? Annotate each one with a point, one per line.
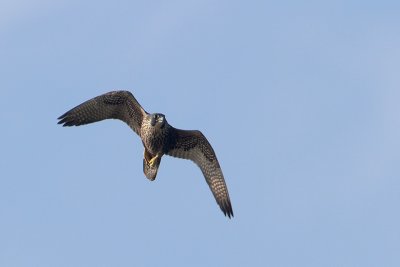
(193, 145)
(120, 105)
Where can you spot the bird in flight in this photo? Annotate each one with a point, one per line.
(158, 137)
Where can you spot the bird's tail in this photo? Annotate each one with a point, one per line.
(150, 170)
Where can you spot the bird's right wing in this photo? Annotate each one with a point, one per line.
(120, 105)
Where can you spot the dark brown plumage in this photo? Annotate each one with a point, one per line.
(158, 138)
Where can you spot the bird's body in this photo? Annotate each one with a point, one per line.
(158, 138)
(154, 137)
(154, 134)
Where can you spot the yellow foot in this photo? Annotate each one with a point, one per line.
(151, 161)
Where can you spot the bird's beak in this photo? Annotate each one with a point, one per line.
(153, 121)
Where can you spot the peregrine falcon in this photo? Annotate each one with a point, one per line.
(158, 137)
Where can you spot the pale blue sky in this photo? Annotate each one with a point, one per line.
(299, 100)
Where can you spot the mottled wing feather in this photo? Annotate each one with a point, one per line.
(120, 105)
(194, 146)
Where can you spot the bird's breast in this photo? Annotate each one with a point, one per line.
(154, 140)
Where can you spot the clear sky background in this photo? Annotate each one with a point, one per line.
(300, 100)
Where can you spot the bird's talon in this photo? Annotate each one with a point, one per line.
(151, 161)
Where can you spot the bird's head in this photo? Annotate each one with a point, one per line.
(158, 119)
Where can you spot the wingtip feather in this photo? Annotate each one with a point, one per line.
(66, 120)
(226, 208)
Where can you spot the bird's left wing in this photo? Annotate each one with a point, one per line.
(194, 146)
(120, 105)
